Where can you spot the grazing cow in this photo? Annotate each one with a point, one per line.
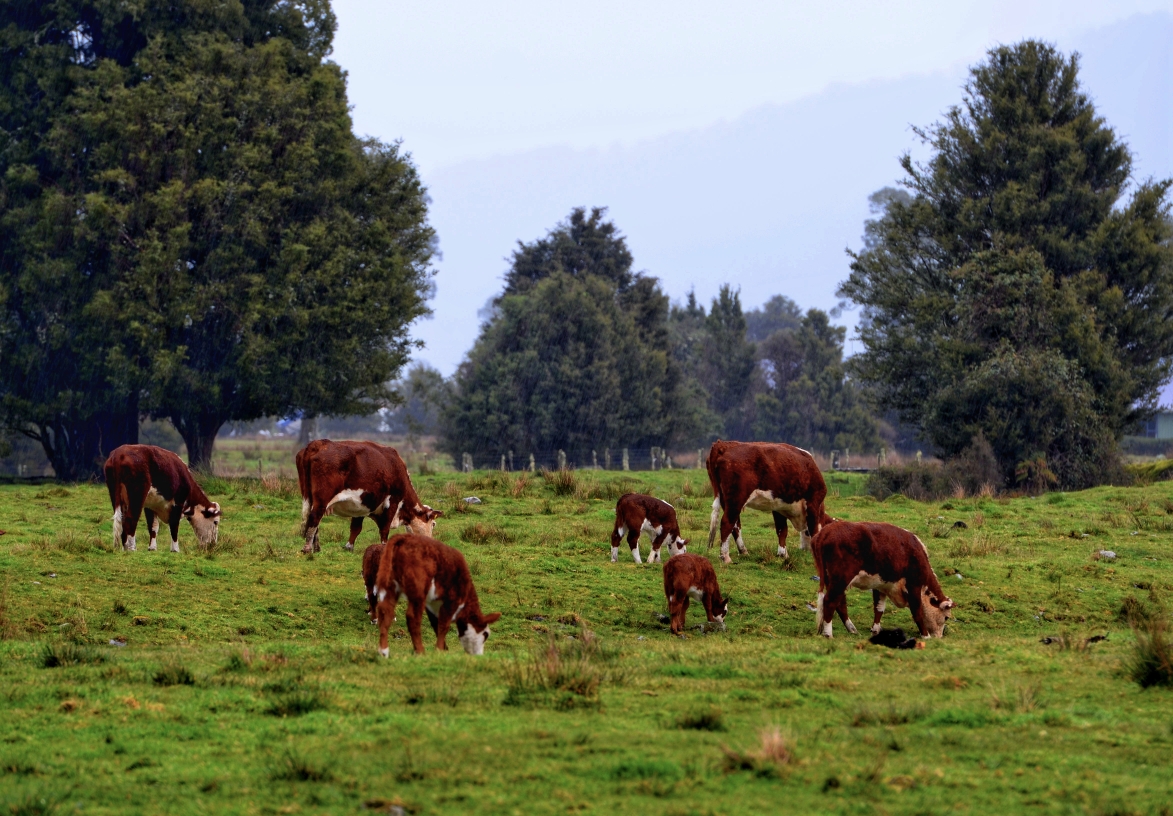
(635, 513)
(691, 577)
(144, 478)
(775, 478)
(356, 480)
(370, 573)
(891, 562)
(434, 578)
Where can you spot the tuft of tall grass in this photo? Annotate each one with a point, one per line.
(296, 703)
(482, 533)
(54, 655)
(710, 719)
(774, 753)
(1022, 698)
(561, 674)
(564, 482)
(293, 767)
(32, 804)
(174, 674)
(979, 545)
(1151, 663)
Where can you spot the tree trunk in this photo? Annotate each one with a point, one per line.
(309, 430)
(77, 448)
(199, 434)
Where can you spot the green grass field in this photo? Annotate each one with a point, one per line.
(249, 681)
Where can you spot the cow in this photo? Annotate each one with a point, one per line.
(891, 562)
(370, 573)
(145, 478)
(356, 480)
(433, 578)
(634, 513)
(691, 577)
(775, 478)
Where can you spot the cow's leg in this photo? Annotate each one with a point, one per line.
(383, 522)
(415, 619)
(441, 623)
(152, 519)
(829, 599)
(678, 609)
(879, 603)
(173, 526)
(813, 515)
(616, 536)
(844, 616)
(135, 502)
(780, 522)
(385, 610)
(633, 542)
(355, 529)
(729, 528)
(312, 520)
(658, 542)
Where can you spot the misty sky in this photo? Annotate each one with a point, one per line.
(517, 112)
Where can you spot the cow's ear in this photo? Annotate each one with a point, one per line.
(434, 514)
(492, 618)
(947, 604)
(189, 511)
(213, 511)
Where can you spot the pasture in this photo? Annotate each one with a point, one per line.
(249, 682)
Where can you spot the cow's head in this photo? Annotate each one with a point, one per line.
(205, 521)
(472, 636)
(720, 611)
(936, 612)
(423, 521)
(678, 546)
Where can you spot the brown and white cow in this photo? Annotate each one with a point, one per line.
(888, 560)
(433, 578)
(356, 480)
(635, 513)
(774, 478)
(370, 573)
(691, 577)
(144, 478)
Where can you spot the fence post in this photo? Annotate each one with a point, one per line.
(652, 456)
(561, 459)
(594, 461)
(625, 467)
(531, 463)
(847, 457)
(668, 461)
(834, 460)
(700, 458)
(607, 458)
(502, 462)
(882, 457)
(466, 462)
(511, 460)
(918, 458)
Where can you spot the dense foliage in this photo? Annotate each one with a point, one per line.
(1016, 292)
(189, 227)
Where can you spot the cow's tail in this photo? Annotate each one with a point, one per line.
(715, 451)
(714, 520)
(303, 482)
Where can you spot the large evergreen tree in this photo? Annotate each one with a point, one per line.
(190, 227)
(1017, 293)
(575, 354)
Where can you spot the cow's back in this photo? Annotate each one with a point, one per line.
(790, 473)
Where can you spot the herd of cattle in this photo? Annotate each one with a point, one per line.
(358, 480)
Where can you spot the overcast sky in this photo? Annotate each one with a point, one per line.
(517, 112)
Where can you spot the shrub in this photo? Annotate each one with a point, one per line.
(296, 703)
(1151, 663)
(708, 720)
(295, 768)
(973, 472)
(563, 481)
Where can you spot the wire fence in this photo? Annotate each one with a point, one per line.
(620, 459)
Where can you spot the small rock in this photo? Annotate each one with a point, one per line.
(535, 617)
(940, 518)
(1084, 535)
(641, 637)
(36, 582)
(52, 575)
(814, 577)
(258, 507)
(1135, 532)
(118, 641)
(960, 525)
(1107, 555)
(660, 616)
(141, 620)
(959, 577)
(472, 500)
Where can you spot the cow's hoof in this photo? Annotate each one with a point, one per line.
(385, 652)
(350, 548)
(726, 558)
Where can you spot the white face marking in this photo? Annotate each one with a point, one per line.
(207, 530)
(473, 641)
(348, 504)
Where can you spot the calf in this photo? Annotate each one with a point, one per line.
(775, 478)
(635, 513)
(691, 577)
(432, 577)
(891, 562)
(154, 481)
(370, 572)
(356, 480)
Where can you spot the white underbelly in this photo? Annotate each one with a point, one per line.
(894, 590)
(695, 594)
(764, 501)
(348, 503)
(156, 503)
(648, 528)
